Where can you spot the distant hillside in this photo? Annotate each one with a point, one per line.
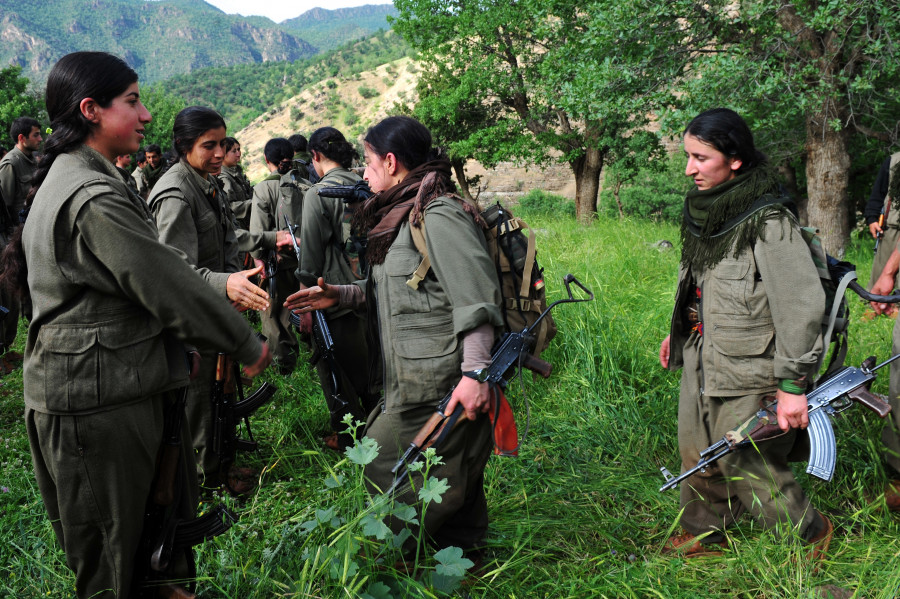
(328, 29)
(244, 92)
(163, 38)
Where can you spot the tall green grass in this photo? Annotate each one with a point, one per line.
(578, 514)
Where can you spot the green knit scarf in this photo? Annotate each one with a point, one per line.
(729, 217)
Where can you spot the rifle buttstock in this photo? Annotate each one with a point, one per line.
(537, 365)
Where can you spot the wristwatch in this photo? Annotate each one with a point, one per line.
(479, 375)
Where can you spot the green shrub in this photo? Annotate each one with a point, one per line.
(539, 202)
(367, 92)
(656, 192)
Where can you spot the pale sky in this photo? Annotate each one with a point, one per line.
(281, 10)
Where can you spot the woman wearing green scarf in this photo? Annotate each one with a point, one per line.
(746, 326)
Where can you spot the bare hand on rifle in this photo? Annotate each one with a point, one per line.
(243, 294)
(473, 396)
(793, 410)
(875, 229)
(265, 359)
(318, 297)
(283, 239)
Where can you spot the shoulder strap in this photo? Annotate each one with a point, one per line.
(418, 237)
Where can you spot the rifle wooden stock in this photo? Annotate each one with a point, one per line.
(871, 400)
(167, 470)
(537, 365)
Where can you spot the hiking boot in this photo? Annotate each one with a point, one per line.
(892, 495)
(687, 545)
(14, 356)
(821, 541)
(241, 481)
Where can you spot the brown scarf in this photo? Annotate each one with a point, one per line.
(383, 214)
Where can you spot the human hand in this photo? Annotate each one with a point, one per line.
(265, 359)
(472, 395)
(244, 293)
(793, 410)
(664, 352)
(318, 297)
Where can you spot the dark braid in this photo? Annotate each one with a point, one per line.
(332, 144)
(76, 76)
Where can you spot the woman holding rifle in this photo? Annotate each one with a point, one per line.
(432, 338)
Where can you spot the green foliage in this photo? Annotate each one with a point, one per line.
(243, 92)
(163, 106)
(541, 203)
(15, 101)
(367, 92)
(655, 190)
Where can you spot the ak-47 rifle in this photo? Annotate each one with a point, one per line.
(350, 194)
(510, 354)
(321, 333)
(228, 409)
(834, 395)
(165, 532)
(355, 245)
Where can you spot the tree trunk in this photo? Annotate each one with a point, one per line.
(790, 182)
(459, 169)
(827, 176)
(587, 170)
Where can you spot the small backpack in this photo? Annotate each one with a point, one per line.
(514, 253)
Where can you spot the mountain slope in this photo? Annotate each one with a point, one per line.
(328, 29)
(159, 39)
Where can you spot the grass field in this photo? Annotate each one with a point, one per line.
(578, 514)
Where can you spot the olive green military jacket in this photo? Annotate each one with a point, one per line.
(324, 232)
(239, 192)
(16, 172)
(111, 304)
(193, 217)
(762, 315)
(273, 198)
(421, 330)
(148, 179)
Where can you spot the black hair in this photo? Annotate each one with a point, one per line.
(727, 132)
(298, 143)
(404, 137)
(141, 156)
(331, 143)
(74, 77)
(22, 126)
(230, 142)
(154, 148)
(279, 152)
(191, 123)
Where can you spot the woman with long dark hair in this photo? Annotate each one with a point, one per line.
(193, 217)
(433, 338)
(279, 195)
(111, 308)
(746, 326)
(329, 252)
(235, 184)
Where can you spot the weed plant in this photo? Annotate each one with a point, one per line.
(578, 514)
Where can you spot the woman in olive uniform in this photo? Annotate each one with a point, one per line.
(235, 184)
(432, 338)
(193, 218)
(325, 233)
(279, 195)
(746, 325)
(111, 308)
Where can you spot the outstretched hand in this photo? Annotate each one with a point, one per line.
(319, 297)
(244, 294)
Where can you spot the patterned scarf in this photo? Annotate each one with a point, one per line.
(383, 214)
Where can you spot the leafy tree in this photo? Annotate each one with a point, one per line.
(15, 101)
(820, 79)
(573, 78)
(163, 106)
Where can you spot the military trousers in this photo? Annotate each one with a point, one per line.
(461, 518)
(757, 479)
(94, 473)
(348, 332)
(276, 325)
